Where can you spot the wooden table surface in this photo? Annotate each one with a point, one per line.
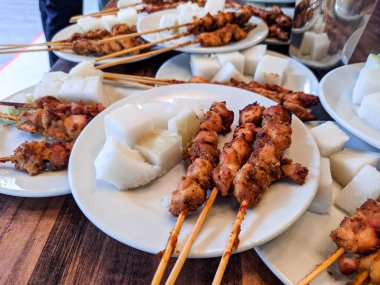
(50, 241)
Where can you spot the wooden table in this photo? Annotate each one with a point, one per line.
(50, 241)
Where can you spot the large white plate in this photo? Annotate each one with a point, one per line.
(152, 21)
(72, 56)
(336, 97)
(307, 243)
(298, 77)
(137, 218)
(18, 183)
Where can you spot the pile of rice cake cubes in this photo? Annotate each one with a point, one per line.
(356, 171)
(247, 65)
(144, 142)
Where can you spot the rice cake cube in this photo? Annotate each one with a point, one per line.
(128, 124)
(323, 199)
(188, 13)
(123, 3)
(50, 84)
(160, 112)
(161, 147)
(108, 21)
(226, 73)
(373, 61)
(320, 47)
(236, 58)
(87, 89)
(169, 21)
(329, 138)
(214, 6)
(369, 110)
(368, 82)
(252, 56)
(307, 42)
(186, 124)
(365, 185)
(347, 163)
(180, 104)
(122, 166)
(271, 70)
(320, 25)
(86, 68)
(127, 16)
(89, 23)
(205, 66)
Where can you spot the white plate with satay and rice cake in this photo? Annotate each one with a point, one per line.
(136, 182)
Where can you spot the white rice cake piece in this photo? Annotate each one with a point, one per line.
(205, 66)
(50, 84)
(214, 6)
(86, 68)
(373, 61)
(271, 70)
(124, 3)
(127, 16)
(188, 13)
(87, 89)
(236, 58)
(108, 21)
(161, 147)
(89, 23)
(369, 110)
(323, 199)
(169, 20)
(329, 138)
(368, 82)
(320, 47)
(320, 25)
(128, 124)
(252, 56)
(160, 112)
(226, 73)
(347, 163)
(307, 42)
(365, 185)
(180, 104)
(186, 124)
(122, 166)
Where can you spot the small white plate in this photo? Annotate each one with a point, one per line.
(136, 217)
(296, 252)
(336, 97)
(152, 21)
(297, 78)
(17, 183)
(74, 57)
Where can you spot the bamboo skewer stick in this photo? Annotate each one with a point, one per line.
(141, 79)
(36, 50)
(5, 159)
(133, 35)
(147, 54)
(103, 12)
(326, 263)
(130, 83)
(13, 46)
(133, 81)
(359, 278)
(189, 242)
(231, 244)
(147, 45)
(8, 117)
(169, 248)
(18, 105)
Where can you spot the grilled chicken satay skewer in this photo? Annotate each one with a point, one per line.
(37, 156)
(232, 157)
(201, 156)
(356, 234)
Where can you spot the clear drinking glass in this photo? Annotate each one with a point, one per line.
(324, 31)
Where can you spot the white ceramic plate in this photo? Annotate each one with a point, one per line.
(307, 243)
(136, 217)
(72, 56)
(336, 97)
(152, 21)
(273, 41)
(18, 183)
(298, 77)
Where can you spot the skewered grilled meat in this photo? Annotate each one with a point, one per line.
(222, 36)
(35, 157)
(371, 263)
(97, 34)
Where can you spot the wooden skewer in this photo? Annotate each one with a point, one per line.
(231, 244)
(8, 117)
(129, 83)
(36, 50)
(147, 54)
(359, 278)
(140, 47)
(5, 159)
(133, 80)
(328, 261)
(103, 12)
(189, 242)
(138, 78)
(133, 35)
(13, 46)
(169, 248)
(18, 105)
